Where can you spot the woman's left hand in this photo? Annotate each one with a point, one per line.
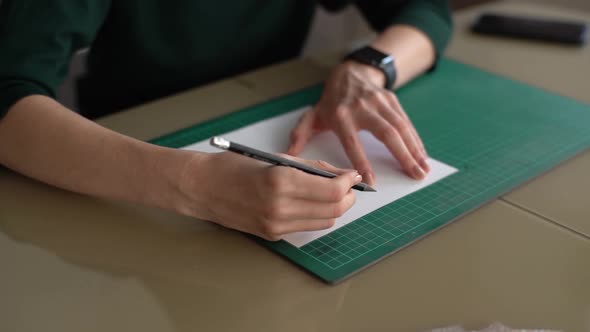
(354, 99)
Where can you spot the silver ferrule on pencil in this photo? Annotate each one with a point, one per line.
(219, 142)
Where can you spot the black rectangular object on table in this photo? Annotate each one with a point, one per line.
(568, 32)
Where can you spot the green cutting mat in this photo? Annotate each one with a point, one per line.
(499, 133)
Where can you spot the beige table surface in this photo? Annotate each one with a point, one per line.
(74, 263)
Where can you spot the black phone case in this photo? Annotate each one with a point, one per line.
(532, 28)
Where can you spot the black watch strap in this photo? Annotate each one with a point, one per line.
(379, 60)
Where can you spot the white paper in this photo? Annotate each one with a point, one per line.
(272, 135)
(495, 327)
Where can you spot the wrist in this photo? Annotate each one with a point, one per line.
(383, 62)
(167, 182)
(370, 73)
(190, 182)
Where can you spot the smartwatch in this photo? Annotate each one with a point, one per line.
(372, 57)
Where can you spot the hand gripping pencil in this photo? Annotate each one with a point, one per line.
(270, 158)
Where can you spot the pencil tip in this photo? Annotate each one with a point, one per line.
(367, 188)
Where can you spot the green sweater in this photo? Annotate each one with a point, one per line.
(146, 49)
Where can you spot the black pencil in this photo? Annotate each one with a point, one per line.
(270, 158)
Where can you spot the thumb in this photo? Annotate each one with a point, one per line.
(302, 132)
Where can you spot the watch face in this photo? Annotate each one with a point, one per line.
(376, 57)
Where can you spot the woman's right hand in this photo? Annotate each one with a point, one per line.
(268, 201)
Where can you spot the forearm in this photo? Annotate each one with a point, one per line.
(414, 52)
(42, 139)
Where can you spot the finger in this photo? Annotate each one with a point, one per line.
(292, 226)
(346, 132)
(396, 115)
(408, 135)
(316, 188)
(319, 164)
(394, 142)
(302, 132)
(302, 209)
(393, 112)
(396, 105)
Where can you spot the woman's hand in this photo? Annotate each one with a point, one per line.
(267, 201)
(354, 100)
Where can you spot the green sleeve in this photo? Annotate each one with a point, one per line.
(37, 39)
(433, 17)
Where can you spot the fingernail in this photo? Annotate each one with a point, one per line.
(358, 178)
(419, 174)
(424, 165)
